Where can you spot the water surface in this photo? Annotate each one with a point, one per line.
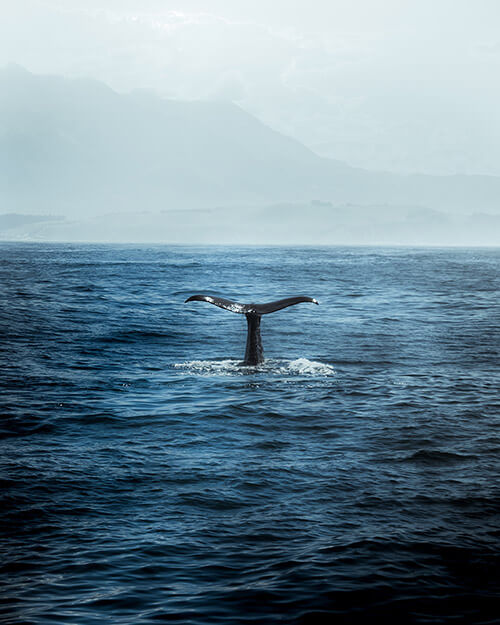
(147, 477)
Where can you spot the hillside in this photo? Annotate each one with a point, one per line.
(74, 147)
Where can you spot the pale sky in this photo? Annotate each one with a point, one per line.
(396, 85)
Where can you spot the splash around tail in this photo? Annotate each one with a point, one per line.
(272, 367)
(254, 353)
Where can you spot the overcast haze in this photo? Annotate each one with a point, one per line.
(393, 85)
(284, 122)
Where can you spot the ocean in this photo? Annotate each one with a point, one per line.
(146, 476)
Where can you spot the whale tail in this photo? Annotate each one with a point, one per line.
(254, 353)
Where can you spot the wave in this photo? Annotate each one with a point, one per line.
(438, 456)
(298, 367)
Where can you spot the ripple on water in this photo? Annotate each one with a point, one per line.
(358, 486)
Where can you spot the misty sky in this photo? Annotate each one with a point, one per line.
(398, 85)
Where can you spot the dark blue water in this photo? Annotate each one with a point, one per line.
(146, 477)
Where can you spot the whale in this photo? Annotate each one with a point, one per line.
(254, 353)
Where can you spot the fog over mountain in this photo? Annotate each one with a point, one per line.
(397, 85)
(76, 145)
(76, 149)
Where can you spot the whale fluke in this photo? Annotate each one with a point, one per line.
(265, 309)
(254, 354)
(221, 302)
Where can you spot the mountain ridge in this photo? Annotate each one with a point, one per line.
(74, 145)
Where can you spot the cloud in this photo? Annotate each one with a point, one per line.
(230, 87)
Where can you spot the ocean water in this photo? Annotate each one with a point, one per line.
(147, 477)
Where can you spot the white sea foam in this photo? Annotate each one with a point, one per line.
(298, 367)
(212, 367)
(303, 366)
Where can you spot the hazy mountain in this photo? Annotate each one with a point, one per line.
(286, 223)
(76, 147)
